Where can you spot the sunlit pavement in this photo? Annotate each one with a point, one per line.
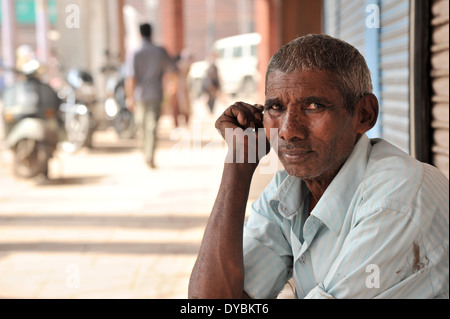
(106, 226)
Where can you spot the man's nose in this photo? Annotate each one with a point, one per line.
(293, 126)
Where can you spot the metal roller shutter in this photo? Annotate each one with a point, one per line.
(352, 28)
(394, 60)
(331, 17)
(440, 84)
(345, 19)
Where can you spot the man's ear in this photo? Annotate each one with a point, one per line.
(366, 111)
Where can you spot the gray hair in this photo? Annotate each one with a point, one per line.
(320, 52)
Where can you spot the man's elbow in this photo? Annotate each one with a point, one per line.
(215, 294)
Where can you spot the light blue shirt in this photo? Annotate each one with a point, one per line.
(380, 230)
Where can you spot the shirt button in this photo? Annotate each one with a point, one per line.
(302, 258)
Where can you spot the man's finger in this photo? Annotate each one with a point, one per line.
(246, 114)
(242, 115)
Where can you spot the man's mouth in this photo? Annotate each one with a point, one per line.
(294, 154)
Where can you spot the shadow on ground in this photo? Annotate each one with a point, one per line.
(70, 181)
(146, 222)
(162, 248)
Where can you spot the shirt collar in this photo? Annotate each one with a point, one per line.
(289, 198)
(146, 43)
(291, 194)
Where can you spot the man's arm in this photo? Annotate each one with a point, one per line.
(219, 270)
(130, 80)
(130, 86)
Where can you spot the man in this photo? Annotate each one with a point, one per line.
(349, 217)
(211, 82)
(145, 72)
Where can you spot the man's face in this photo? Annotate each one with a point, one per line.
(316, 133)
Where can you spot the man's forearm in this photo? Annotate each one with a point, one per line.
(219, 270)
(130, 86)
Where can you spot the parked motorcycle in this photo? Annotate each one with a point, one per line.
(115, 104)
(35, 120)
(80, 91)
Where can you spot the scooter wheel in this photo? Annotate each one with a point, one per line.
(30, 159)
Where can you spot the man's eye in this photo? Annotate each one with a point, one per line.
(313, 106)
(275, 107)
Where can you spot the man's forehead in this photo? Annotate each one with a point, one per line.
(298, 73)
(299, 80)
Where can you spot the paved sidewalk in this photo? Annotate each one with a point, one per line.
(106, 226)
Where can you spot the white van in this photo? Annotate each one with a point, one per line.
(237, 62)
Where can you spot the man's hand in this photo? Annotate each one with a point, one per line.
(130, 104)
(130, 86)
(241, 125)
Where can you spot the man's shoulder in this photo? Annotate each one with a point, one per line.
(393, 176)
(394, 164)
(158, 48)
(389, 162)
(149, 46)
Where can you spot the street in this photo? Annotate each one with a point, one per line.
(106, 226)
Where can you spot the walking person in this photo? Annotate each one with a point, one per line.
(211, 83)
(183, 96)
(145, 70)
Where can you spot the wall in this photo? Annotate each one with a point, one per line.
(228, 18)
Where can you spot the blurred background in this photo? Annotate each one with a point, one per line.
(87, 218)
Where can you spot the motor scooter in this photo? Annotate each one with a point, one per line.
(80, 91)
(34, 123)
(116, 110)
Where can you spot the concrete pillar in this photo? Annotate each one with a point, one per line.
(153, 15)
(113, 26)
(8, 50)
(121, 29)
(210, 25)
(42, 29)
(268, 26)
(300, 17)
(98, 43)
(8, 39)
(73, 26)
(279, 22)
(173, 26)
(244, 12)
(84, 30)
